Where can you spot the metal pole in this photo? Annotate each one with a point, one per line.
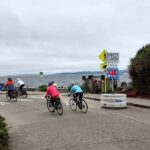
(112, 85)
(105, 85)
(105, 82)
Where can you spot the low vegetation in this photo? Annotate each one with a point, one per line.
(43, 88)
(4, 136)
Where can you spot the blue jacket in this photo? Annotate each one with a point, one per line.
(75, 89)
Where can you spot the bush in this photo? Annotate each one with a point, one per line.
(4, 136)
(43, 88)
(139, 71)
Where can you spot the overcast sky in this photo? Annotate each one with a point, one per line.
(68, 35)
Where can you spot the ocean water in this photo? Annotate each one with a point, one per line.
(63, 79)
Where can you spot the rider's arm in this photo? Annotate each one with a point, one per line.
(71, 91)
(6, 84)
(48, 92)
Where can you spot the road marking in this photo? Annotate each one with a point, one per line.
(3, 103)
(24, 100)
(66, 102)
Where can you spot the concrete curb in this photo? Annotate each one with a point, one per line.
(96, 99)
(138, 105)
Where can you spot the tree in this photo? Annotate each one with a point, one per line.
(139, 70)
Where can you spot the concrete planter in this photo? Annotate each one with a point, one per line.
(113, 100)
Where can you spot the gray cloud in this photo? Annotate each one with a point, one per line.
(68, 35)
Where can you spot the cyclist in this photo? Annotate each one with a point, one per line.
(10, 86)
(20, 85)
(76, 91)
(53, 92)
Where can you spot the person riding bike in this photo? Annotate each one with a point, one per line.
(76, 91)
(10, 87)
(20, 85)
(53, 92)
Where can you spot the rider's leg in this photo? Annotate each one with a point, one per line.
(80, 96)
(10, 93)
(21, 89)
(57, 101)
(80, 99)
(52, 101)
(75, 97)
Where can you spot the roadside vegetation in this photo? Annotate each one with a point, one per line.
(43, 88)
(4, 136)
(139, 70)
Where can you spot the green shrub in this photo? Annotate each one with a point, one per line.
(139, 71)
(43, 88)
(4, 136)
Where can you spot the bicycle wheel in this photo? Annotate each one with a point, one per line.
(73, 104)
(84, 106)
(14, 99)
(49, 106)
(59, 109)
(25, 94)
(14, 96)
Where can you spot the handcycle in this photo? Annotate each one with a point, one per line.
(82, 104)
(57, 105)
(12, 96)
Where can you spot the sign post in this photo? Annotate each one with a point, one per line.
(103, 66)
(41, 74)
(41, 77)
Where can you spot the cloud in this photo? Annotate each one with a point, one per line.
(69, 35)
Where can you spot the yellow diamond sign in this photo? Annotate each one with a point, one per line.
(103, 66)
(102, 56)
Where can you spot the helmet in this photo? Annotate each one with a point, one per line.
(51, 83)
(73, 83)
(9, 79)
(55, 84)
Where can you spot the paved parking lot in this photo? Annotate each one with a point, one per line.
(32, 127)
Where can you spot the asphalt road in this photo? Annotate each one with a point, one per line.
(32, 127)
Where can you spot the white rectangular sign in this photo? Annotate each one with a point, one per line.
(112, 65)
(112, 57)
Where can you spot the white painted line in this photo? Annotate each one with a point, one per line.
(24, 100)
(4, 103)
(66, 102)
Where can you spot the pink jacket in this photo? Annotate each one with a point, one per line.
(51, 90)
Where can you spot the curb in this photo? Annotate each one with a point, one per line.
(96, 99)
(138, 105)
